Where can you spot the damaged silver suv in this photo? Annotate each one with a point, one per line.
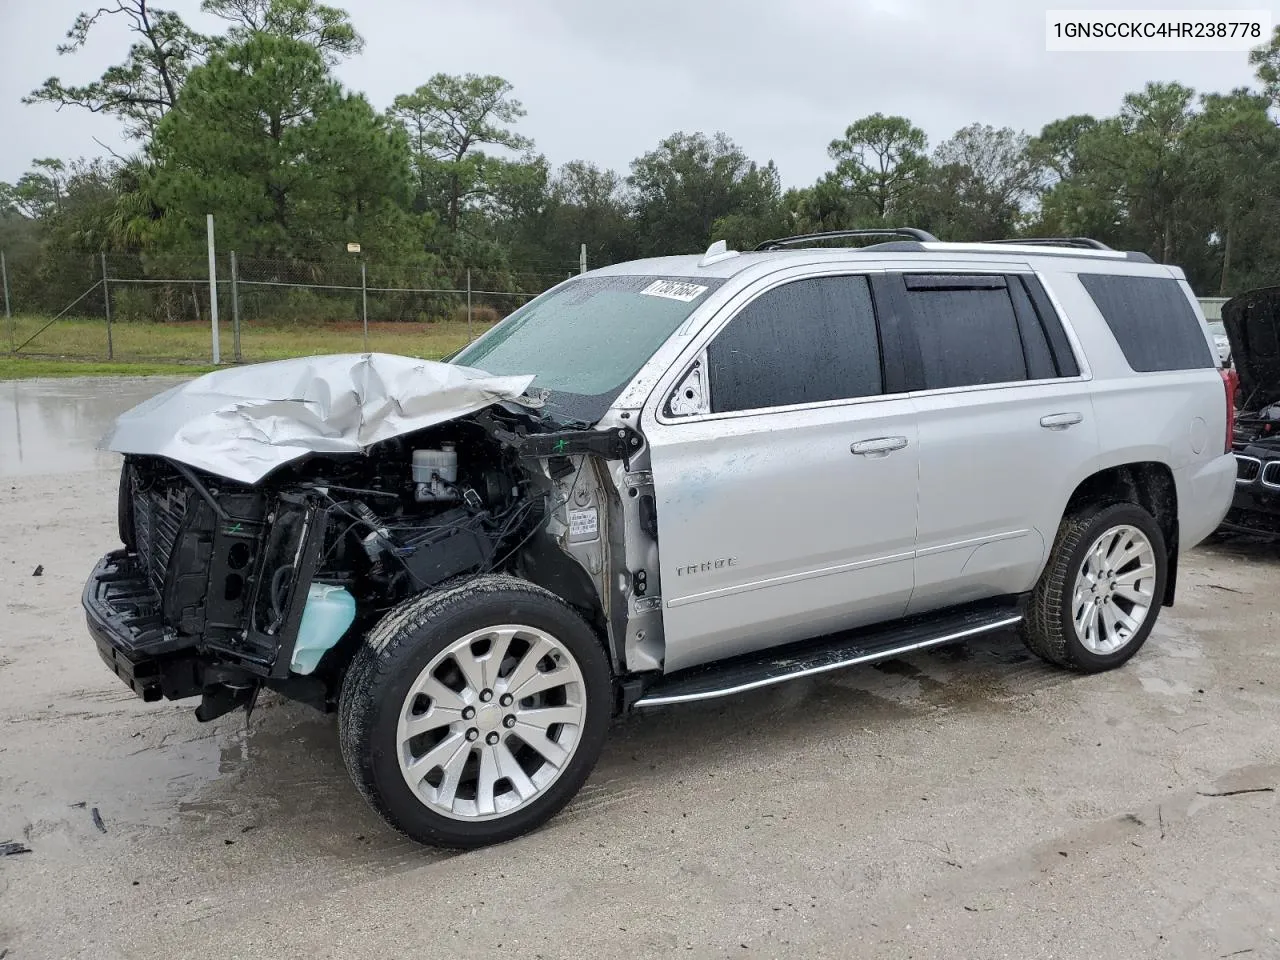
(667, 481)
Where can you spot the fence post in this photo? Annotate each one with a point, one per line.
(213, 293)
(106, 305)
(364, 304)
(582, 259)
(469, 336)
(235, 306)
(13, 326)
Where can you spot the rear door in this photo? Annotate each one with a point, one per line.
(1006, 418)
(784, 463)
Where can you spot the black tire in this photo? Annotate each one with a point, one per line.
(403, 644)
(124, 509)
(1048, 628)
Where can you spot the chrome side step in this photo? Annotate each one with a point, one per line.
(779, 664)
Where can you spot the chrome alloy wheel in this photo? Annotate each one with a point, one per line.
(491, 722)
(1114, 590)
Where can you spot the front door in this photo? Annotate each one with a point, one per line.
(787, 504)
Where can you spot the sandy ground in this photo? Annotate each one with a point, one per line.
(968, 802)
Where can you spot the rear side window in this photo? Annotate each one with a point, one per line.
(1151, 320)
(967, 330)
(804, 342)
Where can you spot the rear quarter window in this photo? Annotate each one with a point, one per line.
(1151, 320)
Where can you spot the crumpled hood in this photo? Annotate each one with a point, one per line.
(1253, 326)
(242, 423)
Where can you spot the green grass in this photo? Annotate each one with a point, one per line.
(23, 368)
(78, 347)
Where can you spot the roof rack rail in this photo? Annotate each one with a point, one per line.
(1088, 242)
(910, 233)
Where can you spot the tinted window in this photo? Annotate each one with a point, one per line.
(804, 342)
(967, 330)
(1151, 320)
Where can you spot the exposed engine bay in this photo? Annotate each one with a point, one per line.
(1255, 509)
(224, 587)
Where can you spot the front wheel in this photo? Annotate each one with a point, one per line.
(1101, 592)
(473, 715)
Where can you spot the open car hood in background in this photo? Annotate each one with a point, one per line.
(242, 423)
(1253, 326)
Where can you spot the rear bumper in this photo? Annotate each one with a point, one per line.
(1204, 496)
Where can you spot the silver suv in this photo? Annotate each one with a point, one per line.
(666, 481)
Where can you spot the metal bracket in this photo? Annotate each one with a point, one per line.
(618, 443)
(690, 394)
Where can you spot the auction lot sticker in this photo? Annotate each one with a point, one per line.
(674, 290)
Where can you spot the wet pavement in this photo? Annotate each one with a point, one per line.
(53, 426)
(965, 802)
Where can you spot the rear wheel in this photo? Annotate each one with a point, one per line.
(473, 715)
(1101, 592)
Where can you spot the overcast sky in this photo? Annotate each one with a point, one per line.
(604, 80)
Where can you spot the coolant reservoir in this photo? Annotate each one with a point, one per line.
(435, 472)
(326, 617)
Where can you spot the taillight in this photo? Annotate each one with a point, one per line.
(1230, 381)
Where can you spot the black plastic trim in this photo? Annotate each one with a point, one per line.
(900, 332)
(899, 353)
(618, 443)
(1029, 326)
(954, 281)
(200, 488)
(1063, 356)
(313, 540)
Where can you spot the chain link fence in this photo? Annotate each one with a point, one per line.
(160, 308)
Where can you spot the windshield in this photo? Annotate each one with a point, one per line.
(585, 340)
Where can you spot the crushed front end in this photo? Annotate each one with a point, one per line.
(223, 587)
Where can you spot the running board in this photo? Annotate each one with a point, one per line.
(839, 650)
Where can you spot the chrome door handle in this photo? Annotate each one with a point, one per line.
(877, 447)
(1060, 421)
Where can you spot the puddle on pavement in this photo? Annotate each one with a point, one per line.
(280, 772)
(161, 773)
(53, 426)
(282, 777)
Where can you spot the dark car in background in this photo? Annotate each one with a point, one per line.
(1252, 322)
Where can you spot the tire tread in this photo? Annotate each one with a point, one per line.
(1044, 627)
(379, 660)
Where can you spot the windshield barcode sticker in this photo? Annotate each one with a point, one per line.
(674, 290)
